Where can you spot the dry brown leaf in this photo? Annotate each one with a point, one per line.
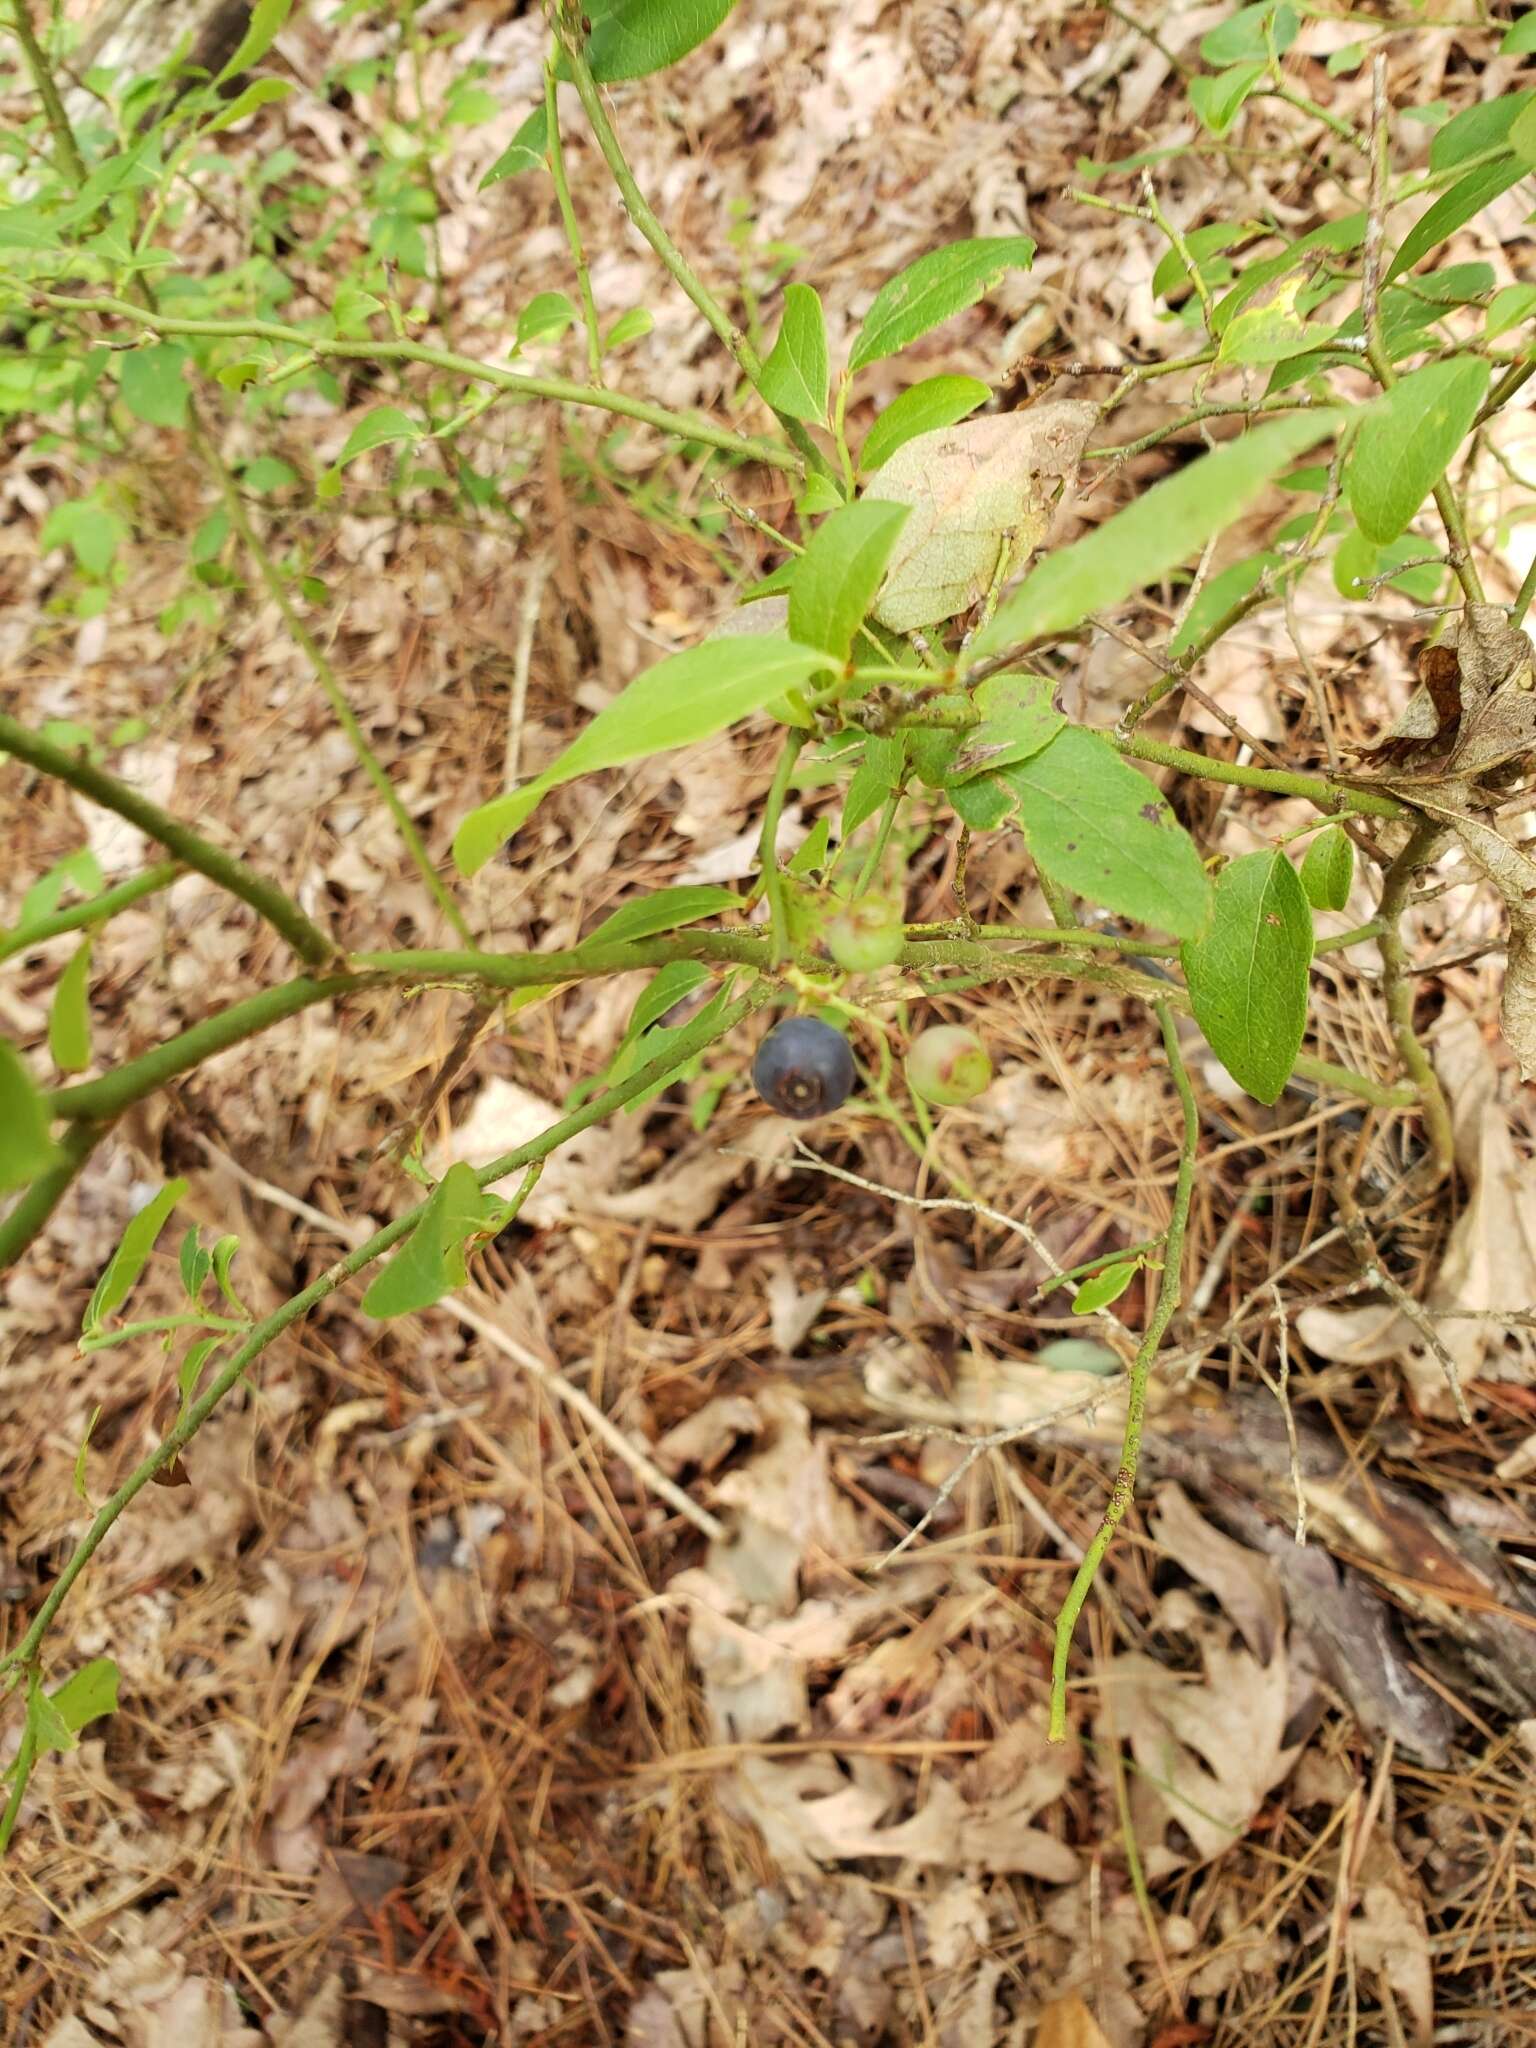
(981, 495)
(1243, 1580)
(1208, 1753)
(1067, 2023)
(1490, 1254)
(1388, 1934)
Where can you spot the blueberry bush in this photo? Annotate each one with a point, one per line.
(910, 646)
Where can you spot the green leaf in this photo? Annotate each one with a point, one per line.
(267, 473)
(69, 1015)
(1101, 829)
(1511, 306)
(1105, 1286)
(1338, 237)
(527, 151)
(384, 424)
(1358, 563)
(1155, 533)
(1272, 329)
(1247, 974)
(663, 911)
(89, 529)
(794, 378)
(1520, 38)
(630, 326)
(1522, 136)
(982, 803)
(1454, 208)
(933, 289)
(836, 579)
(669, 986)
(545, 316)
(1216, 597)
(876, 776)
(80, 870)
(192, 1370)
(1407, 438)
(1018, 719)
(1248, 33)
(923, 409)
(195, 1263)
(1328, 869)
(811, 856)
(432, 1261)
(632, 38)
(689, 697)
(26, 1150)
(261, 92)
(223, 1258)
(1475, 129)
(1172, 271)
(262, 30)
(152, 386)
(131, 1256)
(1218, 101)
(85, 1696)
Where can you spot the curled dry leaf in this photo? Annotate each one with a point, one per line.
(1512, 872)
(1242, 1580)
(982, 495)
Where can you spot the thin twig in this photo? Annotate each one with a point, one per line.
(1280, 1387)
(1375, 1274)
(1136, 1406)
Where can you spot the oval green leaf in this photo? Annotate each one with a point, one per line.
(69, 1016)
(26, 1150)
(633, 38)
(836, 579)
(432, 1261)
(1164, 527)
(1406, 440)
(688, 697)
(1247, 974)
(794, 378)
(131, 1256)
(152, 385)
(663, 911)
(1105, 1286)
(933, 289)
(1101, 829)
(1454, 208)
(384, 424)
(1328, 869)
(923, 409)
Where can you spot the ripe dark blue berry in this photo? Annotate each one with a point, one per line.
(803, 1068)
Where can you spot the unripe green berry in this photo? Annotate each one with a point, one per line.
(947, 1064)
(865, 936)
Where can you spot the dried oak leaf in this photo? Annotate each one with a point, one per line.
(982, 495)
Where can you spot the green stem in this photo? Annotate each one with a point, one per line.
(48, 92)
(563, 390)
(265, 898)
(1335, 800)
(21, 1772)
(1397, 994)
(672, 258)
(690, 1041)
(882, 839)
(37, 1202)
(768, 845)
(325, 675)
(572, 225)
(1168, 1293)
(95, 910)
(112, 1093)
(1523, 595)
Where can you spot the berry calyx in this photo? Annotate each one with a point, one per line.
(947, 1064)
(803, 1068)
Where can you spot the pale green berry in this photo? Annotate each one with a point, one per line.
(865, 936)
(947, 1064)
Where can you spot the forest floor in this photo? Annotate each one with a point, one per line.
(435, 1725)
